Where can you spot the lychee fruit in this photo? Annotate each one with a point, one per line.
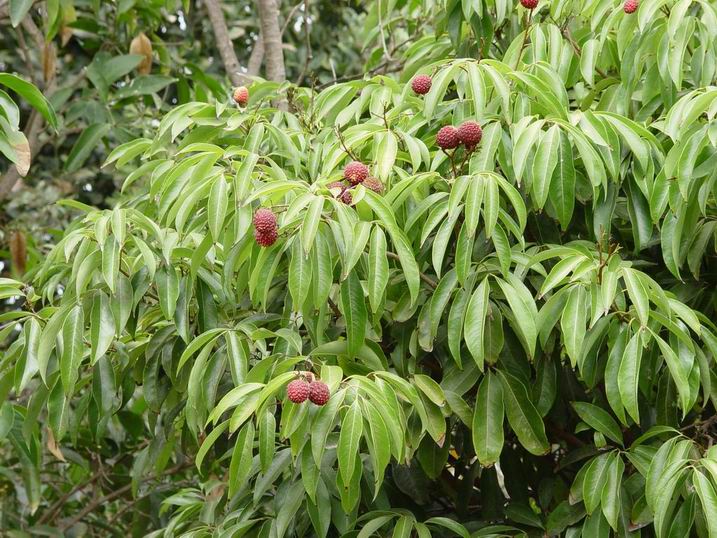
(298, 391)
(337, 185)
(264, 220)
(421, 84)
(241, 95)
(346, 197)
(355, 172)
(319, 392)
(447, 137)
(470, 134)
(630, 6)
(529, 4)
(265, 239)
(373, 184)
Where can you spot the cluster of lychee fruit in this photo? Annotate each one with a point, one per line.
(241, 95)
(355, 173)
(300, 390)
(266, 230)
(468, 133)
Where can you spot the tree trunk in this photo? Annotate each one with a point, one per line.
(273, 50)
(224, 44)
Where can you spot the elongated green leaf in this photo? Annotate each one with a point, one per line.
(487, 424)
(349, 438)
(599, 419)
(523, 418)
(353, 307)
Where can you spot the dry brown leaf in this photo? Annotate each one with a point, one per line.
(49, 60)
(22, 150)
(68, 16)
(142, 45)
(52, 446)
(18, 251)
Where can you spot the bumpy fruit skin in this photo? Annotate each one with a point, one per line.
(241, 95)
(529, 4)
(421, 84)
(265, 239)
(630, 6)
(346, 197)
(319, 392)
(264, 220)
(470, 134)
(373, 184)
(355, 172)
(447, 137)
(298, 391)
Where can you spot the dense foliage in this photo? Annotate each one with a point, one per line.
(517, 337)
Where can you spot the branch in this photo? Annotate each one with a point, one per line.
(427, 279)
(224, 43)
(271, 32)
(117, 493)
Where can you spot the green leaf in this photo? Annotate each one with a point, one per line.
(32, 95)
(167, 281)
(299, 275)
(349, 438)
(598, 419)
(217, 206)
(73, 348)
(594, 481)
(610, 501)
(487, 424)
(86, 143)
(637, 290)
(628, 377)
(546, 159)
(524, 310)
(353, 308)
(475, 322)
(562, 184)
(377, 268)
(102, 326)
(708, 498)
(523, 418)
(18, 10)
(310, 225)
(573, 321)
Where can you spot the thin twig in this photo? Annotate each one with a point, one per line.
(118, 493)
(427, 279)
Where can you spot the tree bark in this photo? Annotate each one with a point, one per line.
(224, 44)
(273, 49)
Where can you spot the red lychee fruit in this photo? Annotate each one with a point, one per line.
(529, 4)
(319, 392)
(264, 220)
(447, 137)
(298, 391)
(373, 184)
(470, 134)
(630, 6)
(355, 172)
(346, 197)
(421, 84)
(241, 95)
(265, 239)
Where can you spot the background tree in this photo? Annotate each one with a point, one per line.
(493, 248)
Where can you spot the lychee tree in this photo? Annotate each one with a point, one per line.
(474, 305)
